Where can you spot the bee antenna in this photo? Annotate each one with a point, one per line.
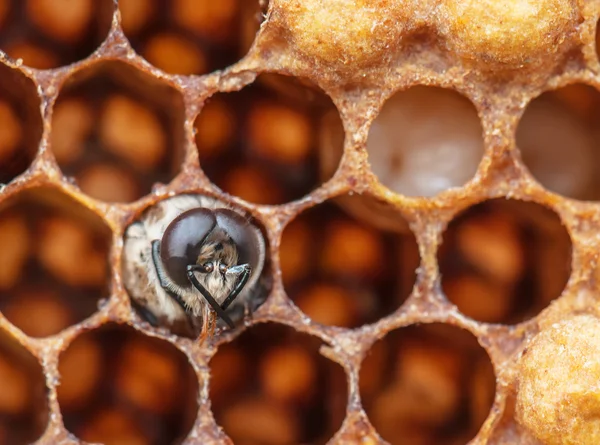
(207, 296)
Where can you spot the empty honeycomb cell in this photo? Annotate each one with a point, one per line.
(424, 141)
(415, 391)
(504, 261)
(260, 145)
(512, 34)
(119, 386)
(48, 33)
(341, 271)
(188, 36)
(117, 132)
(54, 262)
(20, 123)
(23, 406)
(272, 386)
(558, 139)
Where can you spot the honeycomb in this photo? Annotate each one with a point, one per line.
(425, 176)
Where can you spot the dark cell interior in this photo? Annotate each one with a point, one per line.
(342, 271)
(271, 386)
(119, 386)
(53, 264)
(261, 143)
(504, 261)
(47, 34)
(427, 384)
(117, 132)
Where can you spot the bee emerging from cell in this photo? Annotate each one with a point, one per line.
(192, 262)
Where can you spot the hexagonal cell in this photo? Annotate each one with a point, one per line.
(341, 271)
(117, 131)
(272, 386)
(21, 123)
(49, 33)
(191, 36)
(558, 138)
(225, 249)
(424, 141)
(261, 145)
(426, 384)
(504, 261)
(53, 262)
(118, 386)
(23, 404)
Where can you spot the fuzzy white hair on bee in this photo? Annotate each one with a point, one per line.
(190, 261)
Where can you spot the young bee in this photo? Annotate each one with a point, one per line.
(190, 258)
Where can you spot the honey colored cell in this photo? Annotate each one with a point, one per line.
(328, 304)
(288, 374)
(80, 367)
(430, 376)
(72, 121)
(257, 420)
(253, 184)
(480, 299)
(346, 33)
(113, 427)
(228, 369)
(135, 14)
(32, 55)
(482, 391)
(65, 20)
(147, 378)
(207, 18)
(557, 397)
(279, 133)
(133, 132)
(175, 54)
(15, 242)
(38, 312)
(492, 243)
(14, 388)
(295, 250)
(352, 249)
(108, 183)
(11, 133)
(215, 128)
(514, 33)
(64, 242)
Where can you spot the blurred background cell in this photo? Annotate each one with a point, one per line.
(427, 384)
(51, 33)
(117, 132)
(120, 387)
(272, 386)
(342, 272)
(260, 144)
(23, 404)
(53, 262)
(504, 261)
(191, 36)
(20, 123)
(559, 141)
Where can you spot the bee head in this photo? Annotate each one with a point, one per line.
(214, 238)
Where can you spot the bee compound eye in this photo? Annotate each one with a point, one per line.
(182, 241)
(247, 238)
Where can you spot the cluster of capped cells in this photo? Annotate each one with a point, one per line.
(426, 175)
